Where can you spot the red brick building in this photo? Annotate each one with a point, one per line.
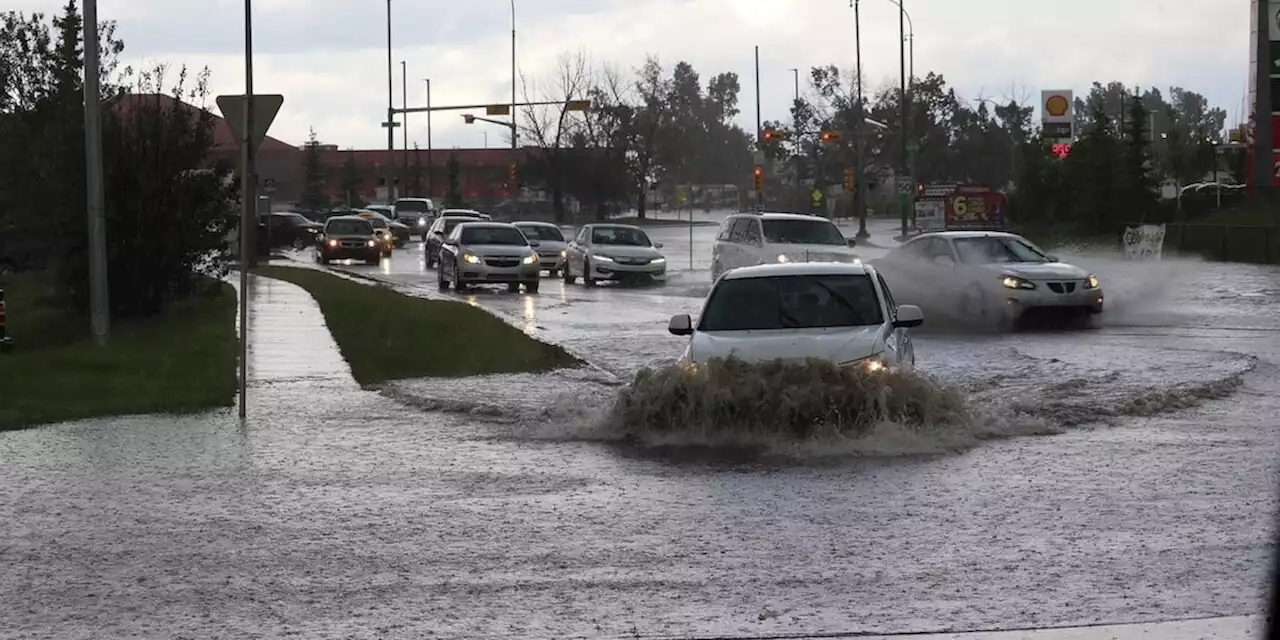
(482, 173)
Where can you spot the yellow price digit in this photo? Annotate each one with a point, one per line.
(961, 208)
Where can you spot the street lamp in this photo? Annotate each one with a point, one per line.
(859, 188)
(391, 118)
(514, 120)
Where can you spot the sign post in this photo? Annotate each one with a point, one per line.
(1057, 119)
(248, 117)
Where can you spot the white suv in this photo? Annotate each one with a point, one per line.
(843, 313)
(763, 238)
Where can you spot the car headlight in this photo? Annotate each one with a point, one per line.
(422, 222)
(333, 243)
(1014, 282)
(468, 258)
(658, 260)
(783, 258)
(530, 259)
(602, 258)
(871, 363)
(564, 253)
(371, 243)
(1091, 282)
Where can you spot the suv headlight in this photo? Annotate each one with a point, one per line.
(371, 243)
(470, 259)
(1014, 282)
(1091, 282)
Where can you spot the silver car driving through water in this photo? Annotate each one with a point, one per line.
(613, 252)
(991, 277)
(551, 244)
(488, 253)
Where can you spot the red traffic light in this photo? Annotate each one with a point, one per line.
(758, 171)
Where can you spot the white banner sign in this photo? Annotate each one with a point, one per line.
(930, 215)
(1144, 242)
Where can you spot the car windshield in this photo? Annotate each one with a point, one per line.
(377, 222)
(297, 218)
(792, 302)
(450, 223)
(997, 250)
(625, 236)
(348, 228)
(493, 235)
(414, 206)
(802, 232)
(541, 232)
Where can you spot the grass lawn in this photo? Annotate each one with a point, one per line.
(183, 361)
(385, 335)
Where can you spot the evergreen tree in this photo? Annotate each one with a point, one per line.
(351, 181)
(1137, 187)
(313, 178)
(453, 197)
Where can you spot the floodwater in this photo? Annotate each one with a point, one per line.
(1144, 490)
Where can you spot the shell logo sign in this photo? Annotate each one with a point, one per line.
(1056, 106)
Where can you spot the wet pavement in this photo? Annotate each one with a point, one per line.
(340, 513)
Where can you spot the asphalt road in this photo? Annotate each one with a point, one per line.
(337, 513)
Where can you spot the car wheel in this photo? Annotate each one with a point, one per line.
(551, 273)
(532, 286)
(513, 287)
(441, 281)
(568, 277)
(586, 273)
(458, 284)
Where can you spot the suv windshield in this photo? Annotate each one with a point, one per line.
(802, 232)
(377, 222)
(541, 232)
(412, 206)
(996, 250)
(348, 228)
(625, 236)
(493, 235)
(792, 302)
(450, 223)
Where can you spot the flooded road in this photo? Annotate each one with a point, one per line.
(340, 513)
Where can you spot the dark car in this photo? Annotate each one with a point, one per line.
(349, 237)
(416, 213)
(440, 229)
(290, 229)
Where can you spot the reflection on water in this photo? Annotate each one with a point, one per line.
(530, 316)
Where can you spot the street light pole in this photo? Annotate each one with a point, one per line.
(905, 198)
(391, 115)
(404, 102)
(514, 119)
(796, 74)
(249, 205)
(99, 305)
(859, 188)
(759, 126)
(431, 167)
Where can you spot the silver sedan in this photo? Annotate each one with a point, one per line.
(488, 253)
(613, 252)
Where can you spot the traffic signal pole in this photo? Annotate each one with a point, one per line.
(859, 190)
(759, 131)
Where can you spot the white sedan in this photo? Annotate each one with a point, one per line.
(989, 276)
(613, 252)
(843, 313)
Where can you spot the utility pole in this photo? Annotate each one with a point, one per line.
(404, 102)
(796, 74)
(759, 126)
(1264, 177)
(859, 187)
(99, 304)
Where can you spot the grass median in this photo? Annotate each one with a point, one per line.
(182, 361)
(385, 335)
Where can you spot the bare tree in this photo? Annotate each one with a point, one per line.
(602, 141)
(550, 127)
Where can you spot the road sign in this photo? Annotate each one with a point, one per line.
(265, 108)
(1057, 106)
(1056, 130)
(497, 110)
(269, 185)
(906, 186)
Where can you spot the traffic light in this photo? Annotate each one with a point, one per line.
(757, 175)
(848, 180)
(768, 135)
(919, 190)
(830, 136)
(511, 173)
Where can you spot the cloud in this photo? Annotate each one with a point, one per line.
(328, 57)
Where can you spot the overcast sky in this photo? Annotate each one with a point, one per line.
(329, 59)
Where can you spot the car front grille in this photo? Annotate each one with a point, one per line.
(1062, 287)
(502, 262)
(636, 261)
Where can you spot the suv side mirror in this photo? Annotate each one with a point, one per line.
(534, 242)
(852, 242)
(657, 245)
(909, 315)
(681, 325)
